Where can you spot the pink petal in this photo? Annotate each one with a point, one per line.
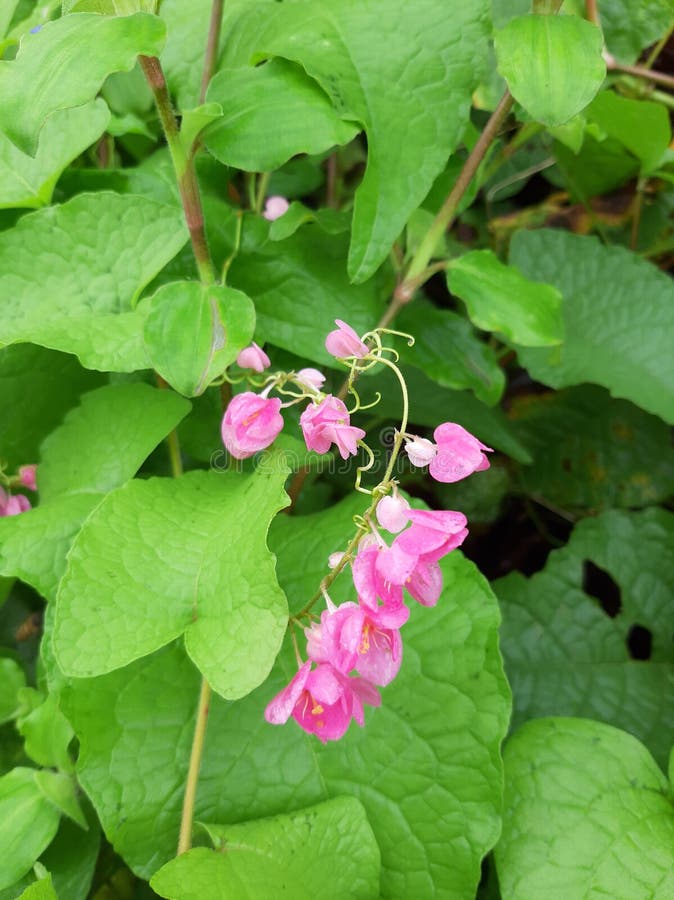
(392, 513)
(280, 709)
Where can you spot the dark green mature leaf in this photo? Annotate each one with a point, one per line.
(29, 182)
(108, 247)
(300, 287)
(593, 452)
(587, 813)
(410, 90)
(271, 113)
(499, 298)
(631, 25)
(71, 856)
(194, 331)
(163, 539)
(104, 441)
(284, 856)
(552, 64)
(449, 351)
(618, 317)
(28, 822)
(640, 125)
(425, 767)
(565, 656)
(64, 65)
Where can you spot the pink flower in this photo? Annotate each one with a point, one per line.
(311, 378)
(275, 207)
(253, 357)
(251, 423)
(28, 477)
(12, 505)
(328, 422)
(433, 534)
(379, 573)
(425, 583)
(420, 451)
(322, 701)
(459, 454)
(344, 342)
(392, 512)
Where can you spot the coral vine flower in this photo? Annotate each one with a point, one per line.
(28, 477)
(433, 533)
(13, 505)
(251, 423)
(344, 342)
(253, 357)
(311, 378)
(328, 422)
(275, 207)
(420, 451)
(459, 454)
(392, 512)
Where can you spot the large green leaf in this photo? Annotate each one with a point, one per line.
(631, 25)
(29, 182)
(284, 856)
(28, 822)
(499, 298)
(103, 442)
(97, 252)
(40, 890)
(618, 317)
(164, 540)
(271, 113)
(409, 89)
(65, 63)
(587, 814)
(640, 125)
(426, 766)
(565, 656)
(592, 452)
(552, 64)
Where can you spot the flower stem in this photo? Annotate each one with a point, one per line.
(185, 838)
(211, 46)
(183, 165)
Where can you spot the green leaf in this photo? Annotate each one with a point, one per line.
(104, 441)
(618, 314)
(300, 287)
(591, 452)
(28, 822)
(64, 65)
(598, 168)
(194, 331)
(47, 734)
(277, 99)
(172, 578)
(631, 25)
(11, 679)
(60, 790)
(410, 90)
(71, 856)
(102, 249)
(552, 64)
(587, 813)
(194, 121)
(565, 656)
(426, 766)
(287, 855)
(29, 182)
(499, 298)
(40, 890)
(449, 351)
(640, 125)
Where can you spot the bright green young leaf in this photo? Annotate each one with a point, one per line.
(283, 856)
(300, 287)
(102, 249)
(194, 331)
(104, 441)
(60, 790)
(565, 656)
(7, 11)
(164, 539)
(592, 452)
(618, 318)
(499, 298)
(409, 89)
(332, 221)
(631, 25)
(425, 766)
(28, 822)
(47, 734)
(64, 65)
(640, 125)
(40, 890)
(271, 113)
(552, 64)
(29, 182)
(449, 351)
(194, 121)
(11, 679)
(587, 813)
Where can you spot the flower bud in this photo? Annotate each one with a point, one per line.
(311, 378)
(344, 342)
(275, 207)
(253, 357)
(251, 423)
(393, 512)
(420, 451)
(27, 477)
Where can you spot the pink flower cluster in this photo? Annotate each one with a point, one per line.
(456, 454)
(13, 504)
(357, 647)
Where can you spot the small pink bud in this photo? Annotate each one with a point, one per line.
(275, 207)
(27, 477)
(253, 357)
(335, 559)
(344, 342)
(251, 423)
(393, 512)
(15, 505)
(311, 378)
(420, 451)
(459, 454)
